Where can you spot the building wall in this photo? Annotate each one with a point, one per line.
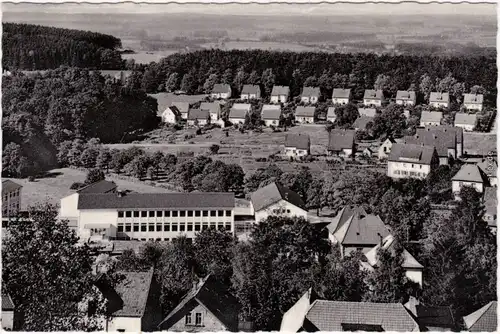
(466, 127)
(456, 186)
(237, 120)
(11, 203)
(168, 116)
(332, 119)
(340, 100)
(439, 104)
(493, 181)
(473, 106)
(372, 102)
(414, 275)
(400, 170)
(384, 154)
(127, 324)
(346, 250)
(293, 318)
(294, 152)
(7, 320)
(273, 122)
(274, 99)
(214, 116)
(221, 95)
(68, 207)
(302, 119)
(289, 209)
(249, 96)
(424, 124)
(405, 102)
(201, 122)
(209, 322)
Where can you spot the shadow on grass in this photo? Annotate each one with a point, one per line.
(46, 175)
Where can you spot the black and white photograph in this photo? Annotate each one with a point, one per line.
(249, 167)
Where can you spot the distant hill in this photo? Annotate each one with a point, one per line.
(34, 47)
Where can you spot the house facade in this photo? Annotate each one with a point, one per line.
(9, 319)
(271, 114)
(411, 160)
(297, 145)
(473, 101)
(483, 320)
(373, 98)
(250, 92)
(469, 176)
(341, 143)
(280, 94)
(310, 95)
(213, 109)
(439, 100)
(331, 116)
(11, 198)
(466, 121)
(183, 107)
(304, 115)
(489, 166)
(385, 149)
(406, 98)
(238, 113)
(221, 91)
(448, 141)
(341, 96)
(430, 118)
(171, 115)
(198, 117)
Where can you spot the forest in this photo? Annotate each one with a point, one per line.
(34, 47)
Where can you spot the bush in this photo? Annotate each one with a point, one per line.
(198, 132)
(77, 185)
(31, 178)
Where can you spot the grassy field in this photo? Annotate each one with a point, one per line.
(146, 57)
(479, 143)
(56, 186)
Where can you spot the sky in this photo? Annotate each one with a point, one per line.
(260, 9)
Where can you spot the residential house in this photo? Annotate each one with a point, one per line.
(466, 121)
(238, 113)
(183, 108)
(432, 318)
(411, 160)
(483, 320)
(280, 94)
(341, 143)
(385, 148)
(373, 97)
(134, 303)
(199, 117)
(297, 145)
(341, 96)
(430, 118)
(10, 318)
(489, 166)
(368, 112)
(277, 200)
(368, 152)
(304, 114)
(413, 268)
(445, 140)
(406, 98)
(439, 100)
(250, 92)
(271, 114)
(473, 101)
(208, 307)
(312, 314)
(471, 176)
(439, 130)
(153, 216)
(490, 205)
(213, 109)
(221, 91)
(331, 116)
(362, 122)
(310, 95)
(171, 115)
(11, 198)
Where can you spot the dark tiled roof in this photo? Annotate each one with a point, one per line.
(250, 89)
(443, 141)
(7, 304)
(310, 91)
(182, 106)
(215, 297)
(466, 119)
(304, 111)
(373, 94)
(489, 167)
(100, 187)
(389, 243)
(162, 99)
(483, 320)
(328, 316)
(344, 216)
(362, 122)
(473, 98)
(134, 291)
(331, 112)
(271, 112)
(435, 316)
(340, 139)
(198, 114)
(362, 229)
(273, 193)
(9, 186)
(371, 112)
(212, 107)
(405, 95)
(156, 201)
(280, 90)
(340, 93)
(239, 110)
(221, 88)
(431, 116)
(411, 153)
(299, 141)
(439, 97)
(470, 173)
(459, 132)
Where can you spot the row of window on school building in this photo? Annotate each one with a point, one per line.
(175, 213)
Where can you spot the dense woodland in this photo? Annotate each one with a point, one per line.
(33, 47)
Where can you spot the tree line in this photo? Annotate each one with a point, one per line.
(34, 47)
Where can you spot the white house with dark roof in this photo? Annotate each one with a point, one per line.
(439, 100)
(271, 114)
(373, 97)
(362, 122)
(312, 314)
(406, 98)
(471, 176)
(310, 95)
(169, 113)
(221, 91)
(250, 92)
(238, 113)
(213, 109)
(341, 96)
(473, 101)
(183, 108)
(341, 143)
(331, 116)
(430, 118)
(448, 141)
(489, 166)
(280, 94)
(297, 145)
(411, 160)
(11, 198)
(198, 117)
(9, 319)
(483, 320)
(304, 114)
(277, 200)
(385, 148)
(466, 121)
(369, 112)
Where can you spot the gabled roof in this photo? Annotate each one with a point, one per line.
(271, 112)
(431, 318)
(304, 111)
(373, 94)
(483, 320)
(465, 119)
(340, 139)
(431, 116)
(9, 186)
(370, 112)
(7, 303)
(343, 215)
(310, 91)
(99, 187)
(214, 296)
(239, 110)
(156, 201)
(331, 112)
(458, 131)
(439, 97)
(134, 291)
(473, 98)
(335, 316)
(470, 173)
(405, 95)
(250, 89)
(489, 167)
(174, 110)
(212, 107)
(421, 154)
(361, 229)
(198, 114)
(299, 141)
(162, 99)
(362, 122)
(389, 243)
(443, 141)
(341, 93)
(280, 90)
(221, 88)
(182, 106)
(273, 193)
